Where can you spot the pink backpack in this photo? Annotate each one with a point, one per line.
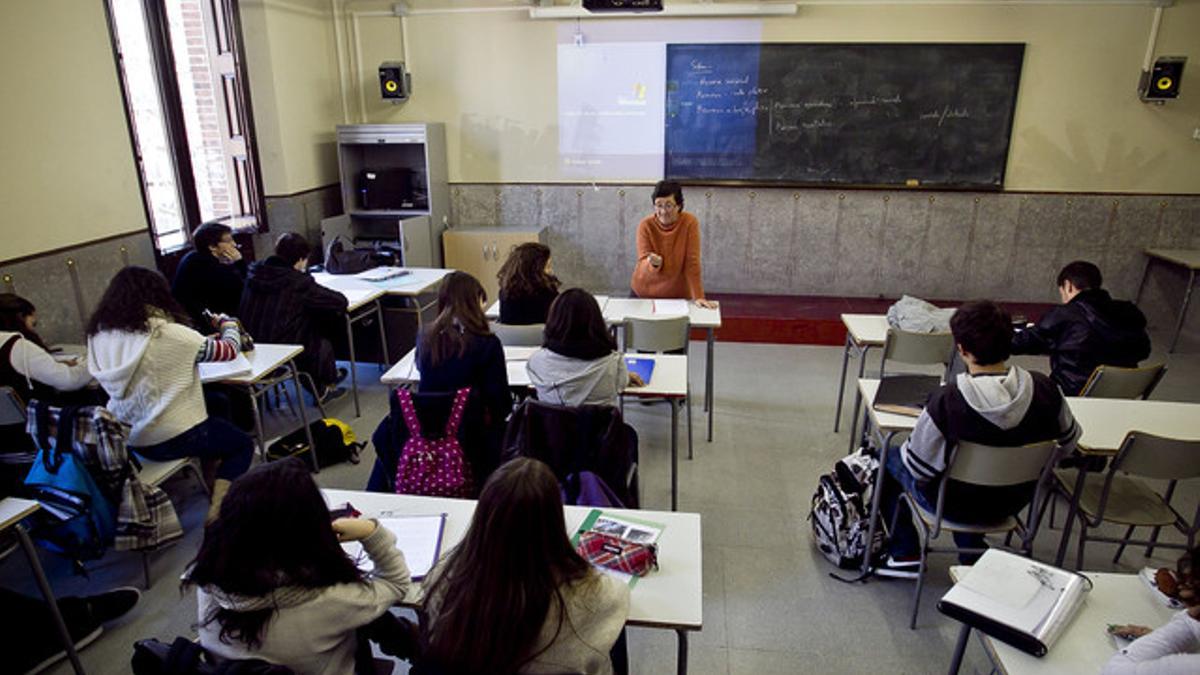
(433, 467)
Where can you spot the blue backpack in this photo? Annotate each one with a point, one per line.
(81, 520)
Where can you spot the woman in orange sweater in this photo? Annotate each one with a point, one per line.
(668, 245)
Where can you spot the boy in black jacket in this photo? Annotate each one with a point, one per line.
(282, 303)
(1089, 329)
(992, 404)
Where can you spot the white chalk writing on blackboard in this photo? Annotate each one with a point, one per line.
(946, 113)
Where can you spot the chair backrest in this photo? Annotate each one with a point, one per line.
(916, 348)
(1158, 457)
(999, 466)
(12, 410)
(1116, 382)
(519, 336)
(657, 335)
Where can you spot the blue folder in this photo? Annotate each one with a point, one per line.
(643, 367)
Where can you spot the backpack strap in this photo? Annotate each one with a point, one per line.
(456, 411)
(409, 412)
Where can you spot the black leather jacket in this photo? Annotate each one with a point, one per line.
(1090, 330)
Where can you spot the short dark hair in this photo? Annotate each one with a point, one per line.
(984, 330)
(668, 188)
(292, 247)
(209, 234)
(1082, 274)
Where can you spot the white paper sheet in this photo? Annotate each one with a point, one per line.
(215, 371)
(418, 537)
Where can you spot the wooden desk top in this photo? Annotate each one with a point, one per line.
(419, 280)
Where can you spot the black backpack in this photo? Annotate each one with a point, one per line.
(184, 657)
(339, 260)
(334, 439)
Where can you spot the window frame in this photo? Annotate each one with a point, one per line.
(159, 40)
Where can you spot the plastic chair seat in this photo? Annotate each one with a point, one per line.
(1006, 524)
(1130, 501)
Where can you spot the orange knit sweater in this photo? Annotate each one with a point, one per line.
(679, 276)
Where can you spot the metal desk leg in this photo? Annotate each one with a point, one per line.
(64, 635)
(312, 447)
(709, 403)
(1187, 297)
(862, 364)
(1137, 299)
(1071, 514)
(877, 498)
(681, 658)
(259, 434)
(837, 416)
(353, 369)
(960, 649)
(674, 453)
(383, 342)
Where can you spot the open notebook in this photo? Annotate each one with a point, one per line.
(905, 394)
(1016, 600)
(418, 537)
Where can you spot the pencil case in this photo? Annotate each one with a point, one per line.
(618, 554)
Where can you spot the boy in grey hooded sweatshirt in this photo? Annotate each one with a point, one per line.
(992, 404)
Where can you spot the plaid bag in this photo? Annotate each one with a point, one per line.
(616, 553)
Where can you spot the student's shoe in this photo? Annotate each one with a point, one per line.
(105, 607)
(899, 568)
(332, 394)
(59, 653)
(341, 375)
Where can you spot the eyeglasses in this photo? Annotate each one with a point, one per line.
(665, 206)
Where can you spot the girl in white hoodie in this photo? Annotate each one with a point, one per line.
(143, 352)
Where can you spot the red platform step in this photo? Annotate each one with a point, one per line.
(811, 319)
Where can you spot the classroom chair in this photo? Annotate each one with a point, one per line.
(980, 465)
(572, 439)
(911, 348)
(1120, 496)
(519, 336)
(660, 336)
(1117, 382)
(155, 473)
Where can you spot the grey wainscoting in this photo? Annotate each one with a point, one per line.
(301, 213)
(1006, 246)
(66, 284)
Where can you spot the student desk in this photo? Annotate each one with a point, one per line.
(863, 331)
(1188, 259)
(1104, 423)
(670, 598)
(13, 510)
(669, 382)
(363, 303)
(1084, 647)
(617, 310)
(265, 359)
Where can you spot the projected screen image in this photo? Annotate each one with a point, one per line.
(612, 95)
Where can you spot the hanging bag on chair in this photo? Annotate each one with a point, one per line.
(433, 467)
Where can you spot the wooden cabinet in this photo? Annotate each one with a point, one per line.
(480, 251)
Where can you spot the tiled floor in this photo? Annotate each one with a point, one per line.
(770, 605)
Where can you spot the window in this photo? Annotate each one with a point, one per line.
(183, 73)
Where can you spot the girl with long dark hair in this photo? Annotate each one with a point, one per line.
(514, 596)
(143, 351)
(273, 582)
(527, 285)
(26, 364)
(579, 363)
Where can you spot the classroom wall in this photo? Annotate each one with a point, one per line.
(67, 174)
(491, 77)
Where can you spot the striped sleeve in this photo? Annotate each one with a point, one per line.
(924, 453)
(223, 348)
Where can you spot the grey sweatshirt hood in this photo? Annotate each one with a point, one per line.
(1002, 400)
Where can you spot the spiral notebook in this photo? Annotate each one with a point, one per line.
(1017, 600)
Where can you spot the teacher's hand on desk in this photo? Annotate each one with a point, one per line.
(706, 304)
